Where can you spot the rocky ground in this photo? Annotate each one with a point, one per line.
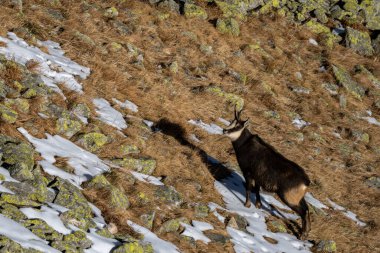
(111, 114)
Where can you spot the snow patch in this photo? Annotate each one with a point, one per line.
(346, 213)
(100, 244)
(313, 42)
(146, 178)
(54, 67)
(126, 105)
(194, 233)
(201, 225)
(7, 176)
(18, 233)
(315, 202)
(85, 164)
(300, 123)
(109, 115)
(159, 245)
(210, 128)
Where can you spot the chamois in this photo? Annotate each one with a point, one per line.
(261, 163)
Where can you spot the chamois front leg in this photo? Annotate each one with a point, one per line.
(248, 188)
(258, 198)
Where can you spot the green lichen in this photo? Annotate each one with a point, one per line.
(201, 210)
(148, 219)
(20, 104)
(277, 227)
(19, 201)
(30, 93)
(42, 229)
(98, 182)
(94, 141)
(8, 115)
(130, 247)
(231, 9)
(67, 125)
(142, 165)
(344, 78)
(84, 38)
(230, 97)
(327, 246)
(172, 225)
(129, 149)
(318, 28)
(359, 42)
(111, 12)
(168, 195)
(228, 26)
(194, 11)
(12, 212)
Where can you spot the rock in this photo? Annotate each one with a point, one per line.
(361, 136)
(169, 5)
(277, 227)
(272, 114)
(148, 219)
(69, 196)
(329, 37)
(342, 101)
(230, 97)
(331, 88)
(194, 11)
(42, 229)
(3, 89)
(7, 114)
(359, 42)
(142, 198)
(372, 14)
(129, 149)
(129, 247)
(9, 246)
(376, 45)
(228, 26)
(98, 181)
(174, 67)
(20, 104)
(122, 28)
(344, 78)
(326, 246)
(84, 39)
(168, 195)
(373, 182)
(74, 242)
(172, 225)
(82, 111)
(217, 237)
(115, 47)
(117, 199)
(12, 212)
(142, 165)
(35, 190)
(93, 141)
(206, 49)
(68, 125)
(237, 9)
(201, 210)
(111, 12)
(105, 233)
(20, 201)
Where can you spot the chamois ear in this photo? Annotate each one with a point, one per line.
(246, 122)
(237, 113)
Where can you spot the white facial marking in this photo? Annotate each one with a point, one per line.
(235, 135)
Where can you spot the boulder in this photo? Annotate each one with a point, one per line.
(359, 41)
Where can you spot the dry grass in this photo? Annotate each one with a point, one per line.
(167, 95)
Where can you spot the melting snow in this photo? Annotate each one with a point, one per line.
(18, 233)
(210, 128)
(86, 164)
(100, 244)
(49, 215)
(346, 213)
(194, 233)
(126, 105)
(146, 178)
(7, 176)
(233, 192)
(53, 67)
(202, 226)
(159, 245)
(109, 115)
(315, 202)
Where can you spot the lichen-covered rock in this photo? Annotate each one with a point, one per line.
(93, 141)
(373, 182)
(98, 181)
(111, 12)
(169, 5)
(230, 97)
(20, 104)
(228, 26)
(326, 246)
(372, 13)
(172, 225)
(359, 42)
(129, 149)
(68, 125)
(236, 8)
(74, 242)
(69, 196)
(82, 111)
(130, 247)
(194, 11)
(329, 37)
(7, 114)
(142, 165)
(84, 39)
(9, 246)
(344, 78)
(148, 219)
(117, 199)
(42, 229)
(35, 190)
(217, 237)
(168, 195)
(3, 89)
(12, 212)
(277, 227)
(201, 210)
(20, 201)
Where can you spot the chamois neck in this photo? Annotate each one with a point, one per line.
(244, 136)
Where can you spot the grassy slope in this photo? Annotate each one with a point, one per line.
(163, 42)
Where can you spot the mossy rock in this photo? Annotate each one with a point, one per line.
(33, 190)
(42, 229)
(20, 201)
(359, 42)
(12, 212)
(372, 13)
(237, 9)
(201, 210)
(230, 97)
(93, 141)
(228, 26)
(105, 233)
(168, 195)
(344, 78)
(130, 247)
(194, 11)
(117, 199)
(142, 165)
(277, 227)
(9, 246)
(318, 28)
(74, 242)
(7, 114)
(98, 181)
(326, 246)
(172, 225)
(68, 125)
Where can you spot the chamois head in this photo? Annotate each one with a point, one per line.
(234, 130)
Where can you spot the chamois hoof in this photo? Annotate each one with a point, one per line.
(258, 205)
(247, 204)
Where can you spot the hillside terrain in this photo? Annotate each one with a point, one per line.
(111, 116)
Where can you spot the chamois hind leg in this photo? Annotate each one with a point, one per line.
(248, 188)
(256, 189)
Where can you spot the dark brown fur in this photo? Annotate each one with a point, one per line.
(261, 163)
